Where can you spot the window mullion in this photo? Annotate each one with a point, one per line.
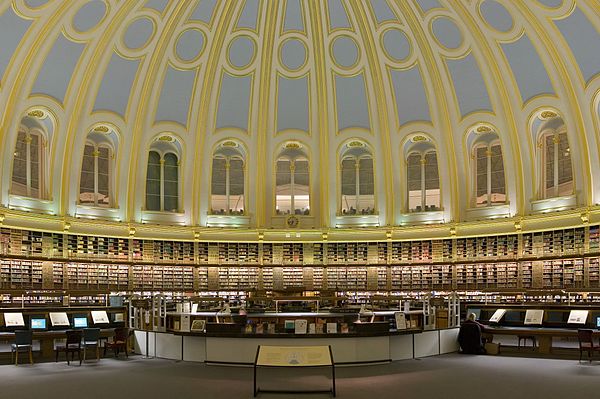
(357, 183)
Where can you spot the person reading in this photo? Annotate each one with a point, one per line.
(470, 336)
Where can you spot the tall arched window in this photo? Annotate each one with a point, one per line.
(162, 182)
(292, 181)
(357, 180)
(423, 181)
(488, 174)
(557, 168)
(227, 181)
(96, 173)
(29, 157)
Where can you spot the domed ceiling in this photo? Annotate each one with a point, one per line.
(390, 75)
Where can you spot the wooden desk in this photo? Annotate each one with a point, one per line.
(544, 335)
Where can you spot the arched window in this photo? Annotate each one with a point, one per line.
(292, 181)
(227, 181)
(162, 182)
(357, 180)
(557, 169)
(96, 173)
(488, 174)
(558, 173)
(423, 181)
(29, 157)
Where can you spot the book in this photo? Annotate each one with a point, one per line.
(300, 326)
(331, 328)
(312, 328)
(319, 328)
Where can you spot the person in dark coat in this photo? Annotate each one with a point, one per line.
(469, 336)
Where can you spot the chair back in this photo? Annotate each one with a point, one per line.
(121, 334)
(585, 336)
(23, 337)
(91, 334)
(73, 337)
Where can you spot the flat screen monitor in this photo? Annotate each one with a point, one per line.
(476, 311)
(80, 322)
(38, 323)
(512, 316)
(598, 322)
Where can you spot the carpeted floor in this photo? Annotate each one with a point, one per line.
(448, 376)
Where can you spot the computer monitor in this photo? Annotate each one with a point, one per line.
(38, 323)
(598, 322)
(80, 322)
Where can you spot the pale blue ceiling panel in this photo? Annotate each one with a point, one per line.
(293, 54)
(530, 74)
(190, 45)
(584, 41)
(234, 102)
(427, 5)
(447, 33)
(345, 51)
(352, 108)
(53, 80)
(396, 44)
(551, 3)
(496, 15)
(204, 11)
(115, 89)
(411, 100)
(382, 11)
(337, 15)
(158, 5)
(249, 16)
(241, 51)
(89, 15)
(36, 3)
(12, 29)
(471, 92)
(292, 104)
(174, 102)
(293, 16)
(139, 33)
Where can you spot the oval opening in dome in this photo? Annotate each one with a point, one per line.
(36, 3)
(447, 33)
(345, 51)
(139, 33)
(293, 54)
(396, 44)
(241, 52)
(551, 3)
(89, 15)
(190, 45)
(496, 15)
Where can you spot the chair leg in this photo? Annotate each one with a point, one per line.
(30, 355)
(79, 356)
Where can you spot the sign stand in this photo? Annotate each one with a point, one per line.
(294, 356)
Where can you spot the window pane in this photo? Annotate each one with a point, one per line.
(565, 169)
(153, 182)
(35, 148)
(218, 178)
(549, 154)
(171, 183)
(432, 182)
(103, 176)
(481, 176)
(498, 193)
(366, 199)
(349, 186)
(236, 186)
(86, 181)
(301, 188)
(19, 176)
(283, 188)
(413, 175)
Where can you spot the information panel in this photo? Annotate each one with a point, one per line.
(534, 316)
(14, 320)
(578, 316)
(59, 319)
(293, 356)
(497, 315)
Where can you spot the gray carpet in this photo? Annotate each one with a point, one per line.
(448, 376)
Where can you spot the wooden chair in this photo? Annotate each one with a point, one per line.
(119, 341)
(72, 345)
(586, 343)
(91, 339)
(23, 340)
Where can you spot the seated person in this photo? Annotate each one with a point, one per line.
(469, 336)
